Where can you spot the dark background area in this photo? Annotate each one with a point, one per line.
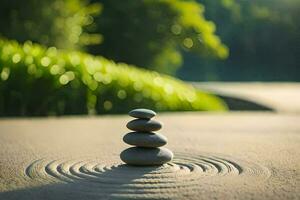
(263, 38)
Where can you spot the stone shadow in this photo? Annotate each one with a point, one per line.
(120, 182)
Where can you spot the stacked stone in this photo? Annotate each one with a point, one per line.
(148, 145)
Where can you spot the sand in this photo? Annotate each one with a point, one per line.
(278, 96)
(217, 156)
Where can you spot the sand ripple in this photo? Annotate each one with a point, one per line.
(185, 172)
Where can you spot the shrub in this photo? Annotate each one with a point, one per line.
(46, 81)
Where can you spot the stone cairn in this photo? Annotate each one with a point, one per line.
(148, 145)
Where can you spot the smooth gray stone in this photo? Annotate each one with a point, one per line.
(146, 156)
(143, 125)
(142, 139)
(142, 113)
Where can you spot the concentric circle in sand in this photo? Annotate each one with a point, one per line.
(119, 180)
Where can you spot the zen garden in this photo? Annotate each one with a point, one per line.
(149, 99)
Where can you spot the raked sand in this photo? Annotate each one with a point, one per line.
(217, 156)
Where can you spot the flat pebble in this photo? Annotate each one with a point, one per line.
(146, 156)
(142, 139)
(144, 125)
(142, 113)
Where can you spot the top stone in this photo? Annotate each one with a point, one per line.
(142, 113)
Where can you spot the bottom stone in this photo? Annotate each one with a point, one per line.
(146, 156)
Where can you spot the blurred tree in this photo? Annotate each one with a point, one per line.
(60, 23)
(263, 37)
(153, 33)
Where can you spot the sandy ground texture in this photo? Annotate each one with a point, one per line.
(281, 97)
(217, 156)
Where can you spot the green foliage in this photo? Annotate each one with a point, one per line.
(46, 81)
(60, 23)
(153, 33)
(263, 38)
